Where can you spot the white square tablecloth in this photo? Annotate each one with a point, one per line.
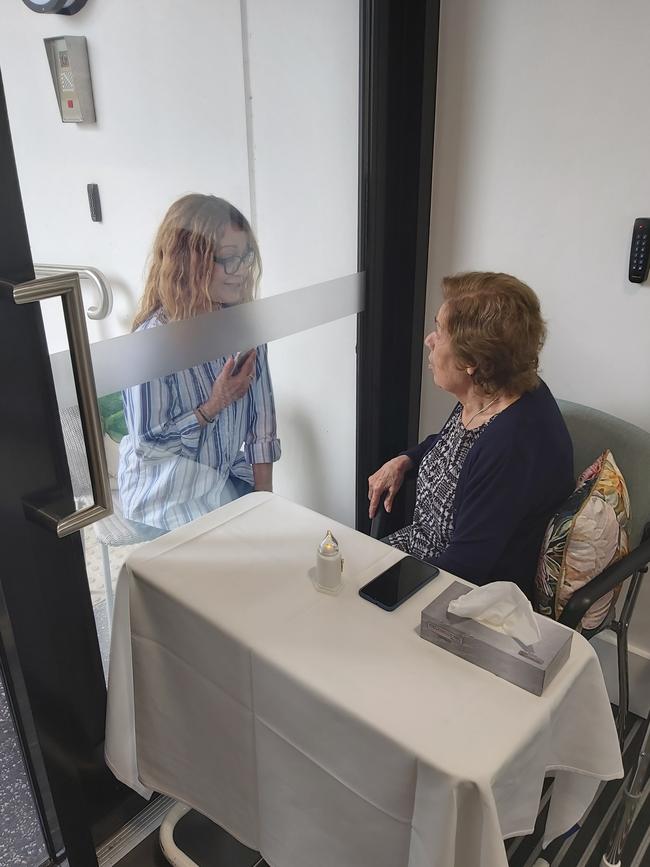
(321, 729)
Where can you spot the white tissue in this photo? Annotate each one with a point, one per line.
(503, 607)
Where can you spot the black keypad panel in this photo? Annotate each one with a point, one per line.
(640, 251)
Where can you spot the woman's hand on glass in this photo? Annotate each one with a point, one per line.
(388, 479)
(227, 388)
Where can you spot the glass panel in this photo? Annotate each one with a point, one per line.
(226, 157)
(256, 103)
(172, 465)
(304, 71)
(21, 838)
(161, 481)
(316, 411)
(153, 352)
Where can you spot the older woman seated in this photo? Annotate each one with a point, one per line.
(488, 483)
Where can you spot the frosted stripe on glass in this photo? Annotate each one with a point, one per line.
(135, 358)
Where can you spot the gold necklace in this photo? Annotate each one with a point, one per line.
(487, 406)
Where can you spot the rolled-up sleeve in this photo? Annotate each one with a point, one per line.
(262, 445)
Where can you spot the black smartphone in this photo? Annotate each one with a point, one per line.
(396, 584)
(240, 359)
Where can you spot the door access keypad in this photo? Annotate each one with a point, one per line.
(640, 251)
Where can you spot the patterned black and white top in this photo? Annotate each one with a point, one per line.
(433, 516)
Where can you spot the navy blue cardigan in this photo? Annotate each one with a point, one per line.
(515, 476)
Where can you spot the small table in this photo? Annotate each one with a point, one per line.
(321, 729)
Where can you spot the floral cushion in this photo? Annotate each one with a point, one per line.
(586, 534)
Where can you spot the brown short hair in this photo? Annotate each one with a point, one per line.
(496, 326)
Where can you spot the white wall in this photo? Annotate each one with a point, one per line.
(169, 84)
(541, 166)
(169, 96)
(304, 87)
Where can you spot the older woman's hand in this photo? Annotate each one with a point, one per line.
(387, 478)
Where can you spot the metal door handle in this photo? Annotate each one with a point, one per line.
(105, 305)
(68, 288)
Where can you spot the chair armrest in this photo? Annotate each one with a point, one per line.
(379, 525)
(609, 578)
(386, 522)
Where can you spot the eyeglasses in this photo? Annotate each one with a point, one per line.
(232, 264)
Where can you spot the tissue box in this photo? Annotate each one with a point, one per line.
(531, 668)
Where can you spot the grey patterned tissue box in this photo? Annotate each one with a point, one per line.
(530, 667)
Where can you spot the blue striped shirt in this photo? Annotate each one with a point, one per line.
(173, 470)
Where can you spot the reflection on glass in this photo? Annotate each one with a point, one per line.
(200, 437)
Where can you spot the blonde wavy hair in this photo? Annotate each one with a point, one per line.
(182, 264)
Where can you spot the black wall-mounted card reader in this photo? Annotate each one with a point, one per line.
(640, 250)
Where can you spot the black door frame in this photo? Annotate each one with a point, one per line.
(399, 52)
(49, 652)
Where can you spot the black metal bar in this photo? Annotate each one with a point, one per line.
(633, 588)
(399, 46)
(16, 264)
(623, 680)
(632, 794)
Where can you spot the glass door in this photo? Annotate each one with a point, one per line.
(240, 164)
(258, 108)
(223, 154)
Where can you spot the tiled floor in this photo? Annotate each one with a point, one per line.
(21, 841)
(147, 854)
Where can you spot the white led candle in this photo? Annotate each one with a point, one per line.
(329, 565)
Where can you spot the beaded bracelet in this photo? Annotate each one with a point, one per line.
(205, 418)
